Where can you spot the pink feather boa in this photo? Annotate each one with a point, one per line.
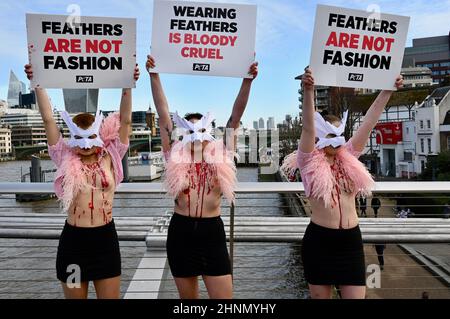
(321, 178)
(176, 177)
(71, 169)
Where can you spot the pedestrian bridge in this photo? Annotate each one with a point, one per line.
(151, 273)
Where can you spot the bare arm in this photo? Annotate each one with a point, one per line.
(240, 104)
(307, 138)
(126, 110)
(359, 140)
(45, 108)
(162, 107)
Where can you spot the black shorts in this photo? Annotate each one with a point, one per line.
(333, 256)
(197, 246)
(94, 250)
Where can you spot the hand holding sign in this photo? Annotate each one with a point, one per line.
(308, 80)
(399, 82)
(253, 70)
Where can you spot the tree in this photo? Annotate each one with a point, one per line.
(437, 168)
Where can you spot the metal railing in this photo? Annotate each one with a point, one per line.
(258, 244)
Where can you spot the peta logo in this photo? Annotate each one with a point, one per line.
(200, 67)
(355, 77)
(84, 79)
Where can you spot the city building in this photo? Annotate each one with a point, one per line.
(431, 52)
(430, 118)
(445, 133)
(80, 100)
(261, 123)
(3, 106)
(416, 77)
(28, 136)
(271, 123)
(15, 89)
(404, 144)
(5, 141)
(255, 125)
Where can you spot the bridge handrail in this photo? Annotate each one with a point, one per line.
(242, 188)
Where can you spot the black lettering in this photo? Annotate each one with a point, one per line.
(67, 29)
(327, 55)
(350, 23)
(59, 63)
(233, 27)
(107, 29)
(98, 29)
(46, 25)
(48, 60)
(73, 63)
(179, 11)
(393, 27)
(384, 26)
(332, 19)
(116, 63)
(118, 30)
(385, 62)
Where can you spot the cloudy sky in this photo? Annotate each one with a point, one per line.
(284, 34)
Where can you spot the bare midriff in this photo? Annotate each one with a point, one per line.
(342, 213)
(92, 207)
(203, 196)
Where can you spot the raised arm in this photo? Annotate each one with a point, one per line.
(162, 107)
(240, 104)
(125, 111)
(308, 135)
(45, 108)
(359, 140)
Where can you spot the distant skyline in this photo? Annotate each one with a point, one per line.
(284, 34)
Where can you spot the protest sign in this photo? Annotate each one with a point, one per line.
(359, 49)
(96, 52)
(203, 38)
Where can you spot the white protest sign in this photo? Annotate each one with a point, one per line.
(97, 52)
(358, 49)
(203, 38)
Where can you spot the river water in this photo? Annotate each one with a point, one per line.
(261, 270)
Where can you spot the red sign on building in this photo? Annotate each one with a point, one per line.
(389, 133)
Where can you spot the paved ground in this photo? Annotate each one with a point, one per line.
(403, 276)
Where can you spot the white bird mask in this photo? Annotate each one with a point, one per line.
(81, 137)
(198, 131)
(323, 128)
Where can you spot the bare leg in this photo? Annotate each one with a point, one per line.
(353, 292)
(108, 288)
(219, 287)
(76, 293)
(187, 287)
(320, 292)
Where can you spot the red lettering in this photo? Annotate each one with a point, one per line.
(332, 39)
(91, 46)
(389, 42)
(50, 46)
(377, 44)
(116, 44)
(202, 53)
(345, 40)
(63, 45)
